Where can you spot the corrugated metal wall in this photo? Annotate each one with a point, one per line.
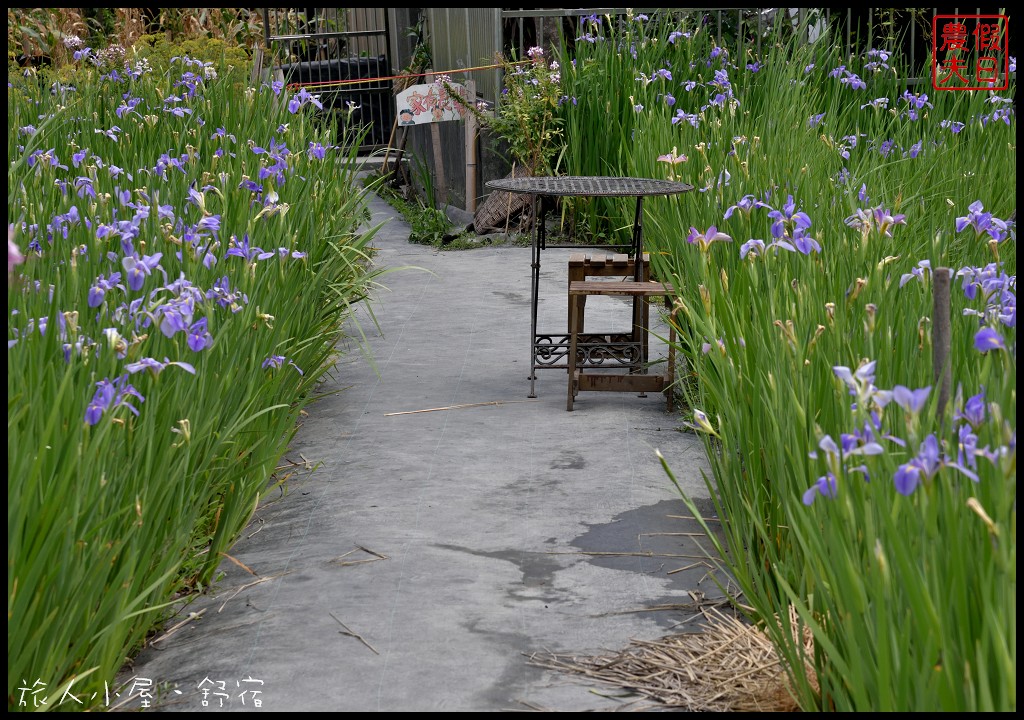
(460, 38)
(467, 37)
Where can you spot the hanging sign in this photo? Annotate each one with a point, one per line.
(424, 104)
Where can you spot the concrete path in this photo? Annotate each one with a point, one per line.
(425, 556)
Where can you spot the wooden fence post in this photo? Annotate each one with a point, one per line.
(471, 149)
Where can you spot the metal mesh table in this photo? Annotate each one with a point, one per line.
(547, 350)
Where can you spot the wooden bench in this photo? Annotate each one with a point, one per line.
(618, 382)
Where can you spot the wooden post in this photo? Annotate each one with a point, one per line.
(257, 66)
(440, 184)
(400, 173)
(941, 335)
(387, 152)
(471, 149)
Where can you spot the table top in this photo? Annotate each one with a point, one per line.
(576, 186)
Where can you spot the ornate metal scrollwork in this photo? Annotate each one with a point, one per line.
(552, 351)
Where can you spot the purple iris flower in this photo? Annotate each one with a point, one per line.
(301, 98)
(854, 82)
(922, 467)
(915, 149)
(988, 339)
(954, 126)
(885, 220)
(176, 315)
(681, 115)
(967, 448)
(138, 269)
(83, 186)
(982, 222)
(110, 395)
(974, 410)
(826, 486)
(274, 361)
(910, 400)
(918, 272)
(222, 133)
(918, 102)
(128, 106)
(862, 384)
(99, 290)
(101, 400)
(747, 204)
(788, 216)
(752, 247)
(242, 249)
(804, 243)
(877, 218)
(858, 443)
(210, 224)
(223, 295)
(754, 67)
(705, 239)
(111, 133)
(156, 367)
(815, 120)
(199, 337)
(317, 150)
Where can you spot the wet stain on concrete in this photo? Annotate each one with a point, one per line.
(538, 569)
(514, 298)
(513, 685)
(649, 540)
(568, 460)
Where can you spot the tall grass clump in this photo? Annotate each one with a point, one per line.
(188, 250)
(829, 196)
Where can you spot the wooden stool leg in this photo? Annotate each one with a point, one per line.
(573, 336)
(670, 371)
(577, 271)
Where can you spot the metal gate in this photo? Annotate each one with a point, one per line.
(328, 51)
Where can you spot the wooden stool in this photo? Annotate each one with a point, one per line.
(618, 382)
(582, 266)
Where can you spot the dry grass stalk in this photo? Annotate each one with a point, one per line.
(130, 26)
(730, 667)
